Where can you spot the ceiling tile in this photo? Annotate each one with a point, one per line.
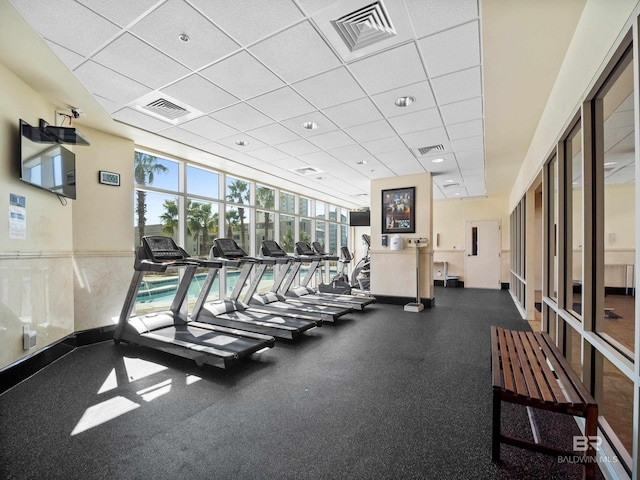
(430, 16)
(70, 58)
(462, 111)
(298, 147)
(182, 136)
(273, 134)
(348, 152)
(398, 156)
(470, 143)
(420, 120)
(208, 127)
(449, 165)
(389, 70)
(139, 61)
(199, 93)
(318, 159)
(331, 140)
(452, 50)
(406, 168)
(288, 53)
(457, 86)
(133, 117)
(281, 104)
(371, 131)
(248, 22)
(68, 24)
(242, 117)
(288, 164)
(330, 88)
(465, 129)
(162, 27)
(268, 154)
(470, 158)
(242, 75)
(421, 92)
(384, 145)
(106, 83)
(353, 113)
(122, 12)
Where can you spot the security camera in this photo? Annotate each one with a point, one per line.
(75, 113)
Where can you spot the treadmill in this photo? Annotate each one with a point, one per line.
(231, 312)
(272, 301)
(303, 292)
(172, 331)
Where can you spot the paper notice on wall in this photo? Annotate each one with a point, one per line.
(17, 223)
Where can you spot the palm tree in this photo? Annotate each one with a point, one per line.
(231, 216)
(145, 167)
(239, 193)
(265, 198)
(170, 217)
(200, 220)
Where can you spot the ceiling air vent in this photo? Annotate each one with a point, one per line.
(365, 26)
(431, 149)
(449, 185)
(308, 170)
(166, 109)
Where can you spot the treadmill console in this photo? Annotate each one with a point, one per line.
(228, 248)
(160, 249)
(346, 254)
(303, 248)
(318, 248)
(271, 248)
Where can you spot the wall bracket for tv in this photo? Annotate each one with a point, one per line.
(65, 135)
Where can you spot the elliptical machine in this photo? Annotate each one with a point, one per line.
(360, 276)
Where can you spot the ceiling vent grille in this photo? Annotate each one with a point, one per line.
(365, 26)
(450, 185)
(166, 109)
(308, 170)
(430, 149)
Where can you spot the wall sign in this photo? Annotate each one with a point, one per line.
(109, 178)
(399, 210)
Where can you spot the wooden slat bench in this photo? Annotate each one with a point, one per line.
(528, 369)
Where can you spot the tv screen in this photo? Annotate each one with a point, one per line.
(360, 218)
(46, 164)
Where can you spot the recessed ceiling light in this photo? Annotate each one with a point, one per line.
(361, 162)
(310, 125)
(183, 37)
(449, 181)
(242, 143)
(437, 160)
(404, 101)
(458, 194)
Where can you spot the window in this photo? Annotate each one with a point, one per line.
(615, 322)
(202, 227)
(202, 183)
(287, 233)
(574, 233)
(304, 206)
(265, 197)
(287, 202)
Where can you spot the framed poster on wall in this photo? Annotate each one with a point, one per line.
(399, 210)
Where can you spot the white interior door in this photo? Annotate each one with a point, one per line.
(482, 254)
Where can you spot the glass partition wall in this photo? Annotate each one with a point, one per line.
(589, 249)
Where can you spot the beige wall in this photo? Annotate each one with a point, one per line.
(72, 271)
(36, 275)
(393, 272)
(449, 217)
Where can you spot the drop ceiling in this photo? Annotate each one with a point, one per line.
(238, 79)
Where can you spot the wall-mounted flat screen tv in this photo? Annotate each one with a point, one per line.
(360, 218)
(45, 163)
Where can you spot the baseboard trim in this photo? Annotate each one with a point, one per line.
(393, 300)
(13, 374)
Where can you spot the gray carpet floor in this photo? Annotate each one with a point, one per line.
(382, 394)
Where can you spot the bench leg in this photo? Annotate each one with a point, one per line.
(495, 433)
(590, 431)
